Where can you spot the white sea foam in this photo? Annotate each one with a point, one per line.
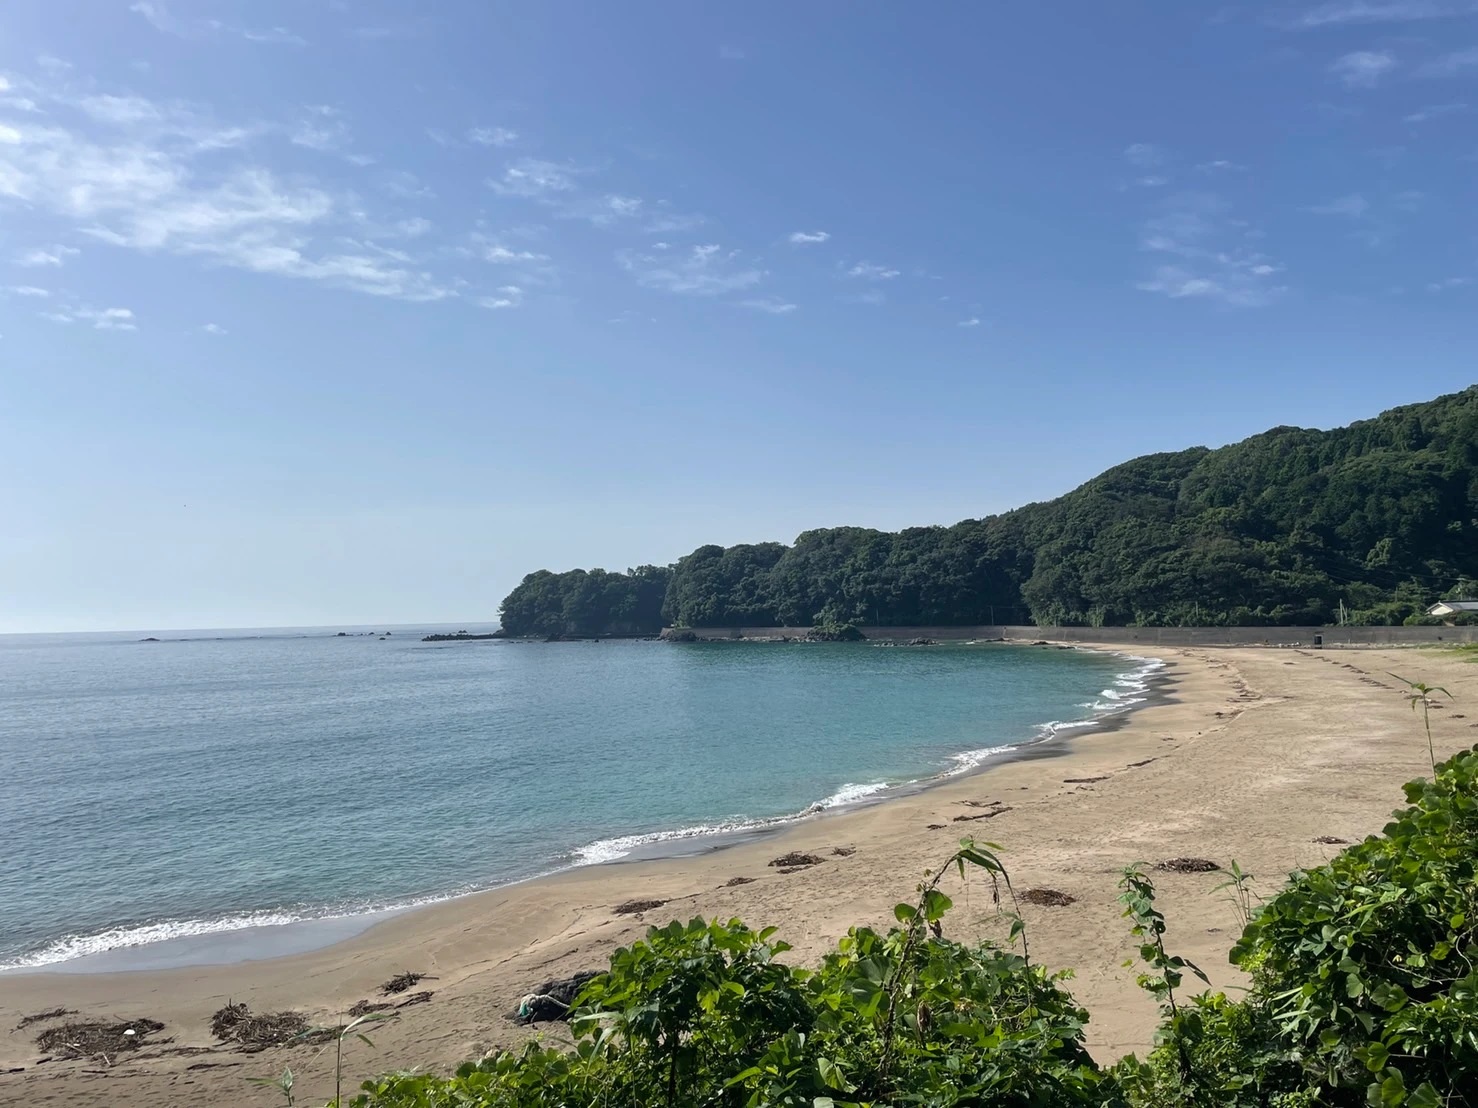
(78, 946)
(613, 849)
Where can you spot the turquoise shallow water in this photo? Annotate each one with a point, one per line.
(236, 779)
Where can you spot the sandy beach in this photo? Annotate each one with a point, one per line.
(1245, 754)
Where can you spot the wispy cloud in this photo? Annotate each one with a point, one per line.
(322, 128)
(1352, 206)
(1433, 111)
(772, 305)
(492, 136)
(973, 321)
(1212, 256)
(1363, 68)
(1152, 181)
(870, 271)
(134, 176)
(509, 296)
(213, 329)
(534, 179)
(1451, 65)
(1343, 12)
(664, 221)
(1221, 165)
(803, 238)
(102, 319)
(1449, 283)
(499, 254)
(166, 22)
(707, 270)
(29, 290)
(46, 256)
(1144, 155)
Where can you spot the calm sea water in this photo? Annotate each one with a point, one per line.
(220, 780)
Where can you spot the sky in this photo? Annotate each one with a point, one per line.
(343, 311)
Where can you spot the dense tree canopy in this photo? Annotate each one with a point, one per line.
(1369, 523)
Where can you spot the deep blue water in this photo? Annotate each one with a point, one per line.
(152, 790)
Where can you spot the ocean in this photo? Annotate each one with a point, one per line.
(216, 781)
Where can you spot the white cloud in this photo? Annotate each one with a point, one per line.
(1449, 283)
(492, 136)
(1340, 12)
(1213, 260)
(803, 238)
(9, 135)
(106, 319)
(499, 254)
(1145, 155)
(1352, 206)
(1152, 181)
(704, 271)
(213, 329)
(4, 83)
(533, 179)
(871, 271)
(44, 256)
(1363, 68)
(29, 290)
(509, 296)
(973, 321)
(770, 304)
(51, 65)
(1220, 165)
(1451, 65)
(144, 187)
(1433, 111)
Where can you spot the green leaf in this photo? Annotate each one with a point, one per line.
(1424, 1096)
(936, 904)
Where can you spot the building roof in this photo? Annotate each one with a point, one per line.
(1453, 606)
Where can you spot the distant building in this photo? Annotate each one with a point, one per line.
(1452, 607)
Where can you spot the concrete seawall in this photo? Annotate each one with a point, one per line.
(1150, 636)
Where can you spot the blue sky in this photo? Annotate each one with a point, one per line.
(341, 310)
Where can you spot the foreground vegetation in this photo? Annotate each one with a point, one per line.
(1369, 523)
(1363, 992)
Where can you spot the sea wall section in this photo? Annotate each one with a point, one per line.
(1150, 636)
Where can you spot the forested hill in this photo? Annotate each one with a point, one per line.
(1282, 528)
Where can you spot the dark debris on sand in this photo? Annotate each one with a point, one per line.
(401, 982)
(44, 1017)
(1188, 865)
(795, 859)
(90, 1038)
(235, 1023)
(844, 851)
(1332, 840)
(731, 882)
(415, 998)
(1048, 898)
(635, 907)
(365, 1007)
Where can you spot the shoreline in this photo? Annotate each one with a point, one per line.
(253, 942)
(1247, 754)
